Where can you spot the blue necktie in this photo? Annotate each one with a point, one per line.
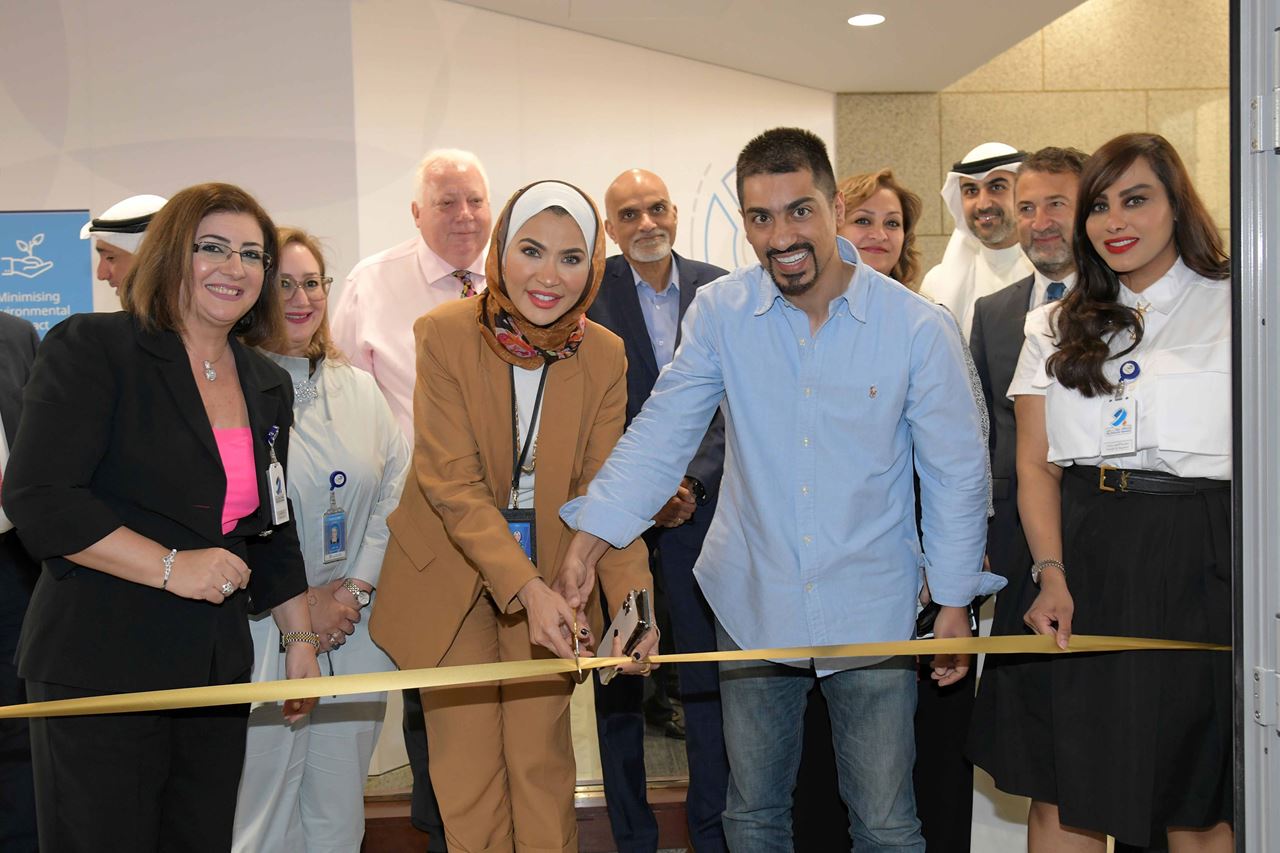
(1055, 291)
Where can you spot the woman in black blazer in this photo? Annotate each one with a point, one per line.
(140, 477)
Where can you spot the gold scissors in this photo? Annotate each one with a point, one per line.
(580, 676)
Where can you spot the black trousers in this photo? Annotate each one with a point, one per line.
(620, 722)
(17, 792)
(160, 782)
(424, 811)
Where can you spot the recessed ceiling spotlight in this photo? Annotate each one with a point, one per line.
(870, 19)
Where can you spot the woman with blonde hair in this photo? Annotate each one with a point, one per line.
(880, 217)
(303, 785)
(519, 400)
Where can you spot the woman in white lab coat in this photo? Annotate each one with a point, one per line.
(303, 785)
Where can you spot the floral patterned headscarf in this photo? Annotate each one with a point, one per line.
(506, 331)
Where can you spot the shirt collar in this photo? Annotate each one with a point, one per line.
(1165, 293)
(675, 276)
(434, 267)
(853, 300)
(1042, 281)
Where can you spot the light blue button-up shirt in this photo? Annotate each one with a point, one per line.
(661, 314)
(814, 540)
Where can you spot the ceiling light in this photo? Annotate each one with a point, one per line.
(870, 19)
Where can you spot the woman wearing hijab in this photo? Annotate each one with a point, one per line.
(514, 386)
(303, 785)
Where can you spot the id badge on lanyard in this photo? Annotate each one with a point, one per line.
(335, 522)
(1120, 415)
(521, 522)
(275, 481)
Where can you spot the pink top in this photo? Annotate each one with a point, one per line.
(372, 321)
(235, 446)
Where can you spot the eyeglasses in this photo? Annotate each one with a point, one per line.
(220, 253)
(315, 288)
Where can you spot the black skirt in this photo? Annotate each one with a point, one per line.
(1127, 743)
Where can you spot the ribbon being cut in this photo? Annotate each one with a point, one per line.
(342, 685)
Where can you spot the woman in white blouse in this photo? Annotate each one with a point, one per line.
(1123, 400)
(303, 785)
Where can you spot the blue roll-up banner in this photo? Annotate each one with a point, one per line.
(46, 273)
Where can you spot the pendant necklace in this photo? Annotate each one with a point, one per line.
(209, 373)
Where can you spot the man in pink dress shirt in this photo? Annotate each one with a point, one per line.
(372, 322)
(373, 318)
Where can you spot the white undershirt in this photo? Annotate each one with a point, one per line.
(526, 393)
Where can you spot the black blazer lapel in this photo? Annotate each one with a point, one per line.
(619, 288)
(688, 289)
(264, 403)
(175, 373)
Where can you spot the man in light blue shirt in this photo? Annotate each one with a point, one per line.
(835, 383)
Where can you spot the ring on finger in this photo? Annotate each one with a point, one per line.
(227, 588)
(646, 669)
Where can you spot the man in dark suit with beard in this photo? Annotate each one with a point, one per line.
(643, 298)
(18, 574)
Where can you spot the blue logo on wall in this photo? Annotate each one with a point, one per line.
(45, 275)
(1119, 416)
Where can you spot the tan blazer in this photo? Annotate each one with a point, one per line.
(449, 542)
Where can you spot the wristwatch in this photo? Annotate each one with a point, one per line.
(361, 597)
(699, 491)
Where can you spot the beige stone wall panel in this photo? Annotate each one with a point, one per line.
(1031, 120)
(896, 130)
(1138, 44)
(1018, 69)
(1197, 122)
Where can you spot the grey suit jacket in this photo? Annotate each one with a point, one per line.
(18, 342)
(995, 342)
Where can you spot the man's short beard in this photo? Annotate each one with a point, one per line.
(649, 256)
(1052, 269)
(1005, 229)
(793, 285)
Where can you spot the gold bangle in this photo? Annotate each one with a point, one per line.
(291, 637)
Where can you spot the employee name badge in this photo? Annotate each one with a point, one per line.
(275, 481)
(1120, 415)
(335, 522)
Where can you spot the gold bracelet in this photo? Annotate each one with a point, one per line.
(299, 637)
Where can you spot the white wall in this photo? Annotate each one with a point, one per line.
(535, 101)
(323, 108)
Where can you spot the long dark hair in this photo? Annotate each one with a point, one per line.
(1090, 315)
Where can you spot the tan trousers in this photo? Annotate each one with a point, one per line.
(502, 753)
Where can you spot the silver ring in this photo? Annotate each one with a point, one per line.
(227, 588)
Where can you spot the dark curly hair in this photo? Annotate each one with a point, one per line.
(1090, 316)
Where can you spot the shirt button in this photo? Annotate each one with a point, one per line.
(805, 441)
(808, 392)
(803, 342)
(804, 490)
(808, 540)
(808, 587)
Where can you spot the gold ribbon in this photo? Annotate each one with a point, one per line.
(454, 676)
